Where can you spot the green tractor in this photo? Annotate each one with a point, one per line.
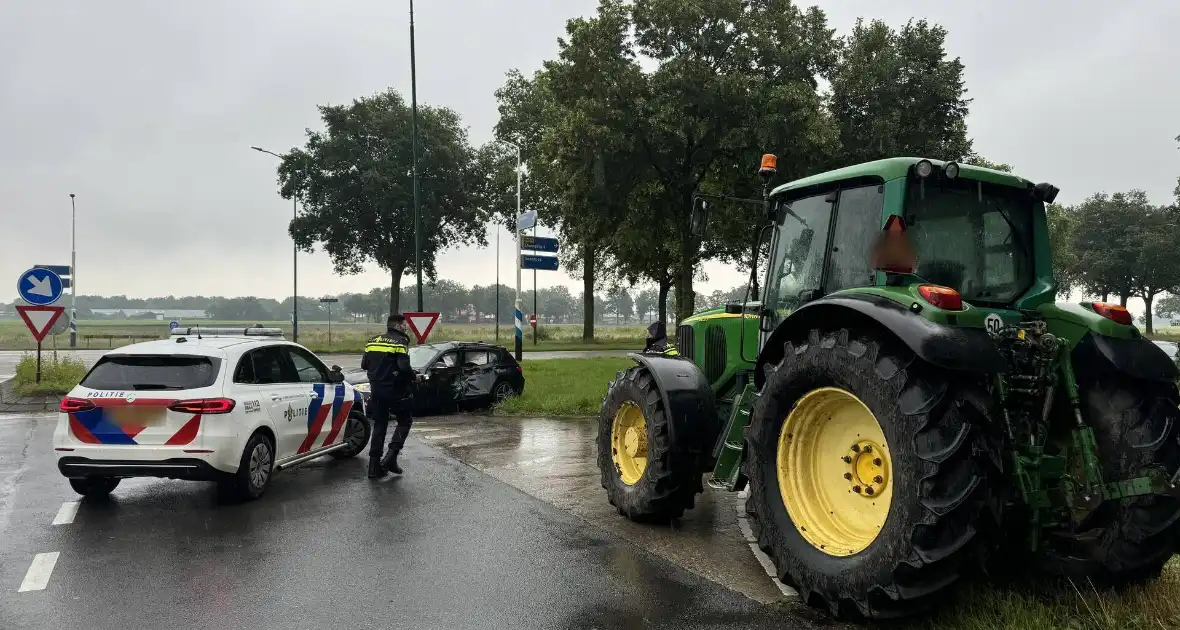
(906, 401)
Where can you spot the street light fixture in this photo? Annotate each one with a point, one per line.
(294, 260)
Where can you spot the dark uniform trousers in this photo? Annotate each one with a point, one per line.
(383, 407)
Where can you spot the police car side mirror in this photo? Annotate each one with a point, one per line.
(335, 376)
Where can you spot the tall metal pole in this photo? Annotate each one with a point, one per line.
(295, 275)
(516, 231)
(414, 132)
(73, 274)
(535, 294)
(497, 282)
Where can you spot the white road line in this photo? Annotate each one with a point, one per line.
(38, 576)
(762, 558)
(66, 514)
(442, 437)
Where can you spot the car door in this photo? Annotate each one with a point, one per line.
(286, 399)
(443, 382)
(479, 373)
(329, 403)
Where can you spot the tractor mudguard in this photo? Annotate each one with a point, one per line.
(687, 397)
(948, 347)
(1138, 358)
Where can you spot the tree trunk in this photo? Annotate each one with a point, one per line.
(395, 290)
(1123, 297)
(685, 297)
(588, 295)
(1105, 296)
(662, 310)
(1148, 298)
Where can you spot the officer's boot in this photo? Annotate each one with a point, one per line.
(389, 462)
(376, 470)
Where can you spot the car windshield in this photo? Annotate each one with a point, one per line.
(973, 237)
(152, 372)
(421, 355)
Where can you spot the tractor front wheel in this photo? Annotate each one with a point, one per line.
(872, 486)
(647, 477)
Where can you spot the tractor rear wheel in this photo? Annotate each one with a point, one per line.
(1125, 542)
(873, 487)
(647, 477)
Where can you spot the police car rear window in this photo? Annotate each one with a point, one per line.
(152, 372)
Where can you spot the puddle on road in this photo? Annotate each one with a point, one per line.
(556, 461)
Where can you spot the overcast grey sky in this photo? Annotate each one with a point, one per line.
(147, 109)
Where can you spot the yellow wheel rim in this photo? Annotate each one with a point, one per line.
(628, 442)
(834, 471)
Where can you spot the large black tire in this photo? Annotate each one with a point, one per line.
(672, 477)
(357, 430)
(243, 485)
(944, 511)
(94, 487)
(1125, 542)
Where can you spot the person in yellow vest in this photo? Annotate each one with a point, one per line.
(391, 382)
(657, 340)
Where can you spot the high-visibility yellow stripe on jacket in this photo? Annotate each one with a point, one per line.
(379, 345)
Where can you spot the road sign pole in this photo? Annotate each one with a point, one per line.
(73, 274)
(516, 230)
(414, 133)
(38, 361)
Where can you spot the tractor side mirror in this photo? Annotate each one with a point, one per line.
(700, 217)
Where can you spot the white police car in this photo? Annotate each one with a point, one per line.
(216, 404)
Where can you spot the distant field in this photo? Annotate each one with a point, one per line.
(346, 336)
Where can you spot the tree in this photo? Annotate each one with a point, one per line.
(1157, 266)
(979, 160)
(1062, 227)
(646, 303)
(1168, 307)
(896, 93)
(354, 181)
(1105, 242)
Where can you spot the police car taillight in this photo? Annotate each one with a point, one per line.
(74, 405)
(204, 405)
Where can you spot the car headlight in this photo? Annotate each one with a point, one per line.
(362, 387)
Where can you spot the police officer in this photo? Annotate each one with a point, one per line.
(392, 382)
(657, 340)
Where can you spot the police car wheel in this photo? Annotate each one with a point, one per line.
(94, 487)
(254, 471)
(356, 436)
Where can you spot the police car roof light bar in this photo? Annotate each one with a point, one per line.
(203, 331)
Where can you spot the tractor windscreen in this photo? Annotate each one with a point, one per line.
(972, 236)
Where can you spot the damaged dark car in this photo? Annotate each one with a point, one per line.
(456, 375)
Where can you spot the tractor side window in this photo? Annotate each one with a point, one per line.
(858, 224)
(799, 254)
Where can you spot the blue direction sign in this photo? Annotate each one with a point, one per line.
(39, 287)
(539, 244)
(173, 325)
(542, 263)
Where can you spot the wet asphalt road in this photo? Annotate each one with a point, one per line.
(446, 546)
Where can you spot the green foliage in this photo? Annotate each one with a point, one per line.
(1062, 227)
(564, 387)
(353, 179)
(58, 375)
(1168, 307)
(896, 93)
(979, 160)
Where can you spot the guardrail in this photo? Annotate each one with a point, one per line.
(110, 339)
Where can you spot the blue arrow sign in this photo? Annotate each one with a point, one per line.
(39, 287)
(539, 244)
(542, 263)
(61, 270)
(173, 325)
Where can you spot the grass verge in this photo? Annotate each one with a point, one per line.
(564, 387)
(58, 375)
(1155, 605)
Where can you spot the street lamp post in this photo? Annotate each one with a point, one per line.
(294, 261)
(73, 274)
(414, 133)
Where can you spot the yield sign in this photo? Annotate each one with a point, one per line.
(40, 319)
(421, 324)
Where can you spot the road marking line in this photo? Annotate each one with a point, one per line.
(759, 555)
(66, 514)
(442, 437)
(39, 571)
